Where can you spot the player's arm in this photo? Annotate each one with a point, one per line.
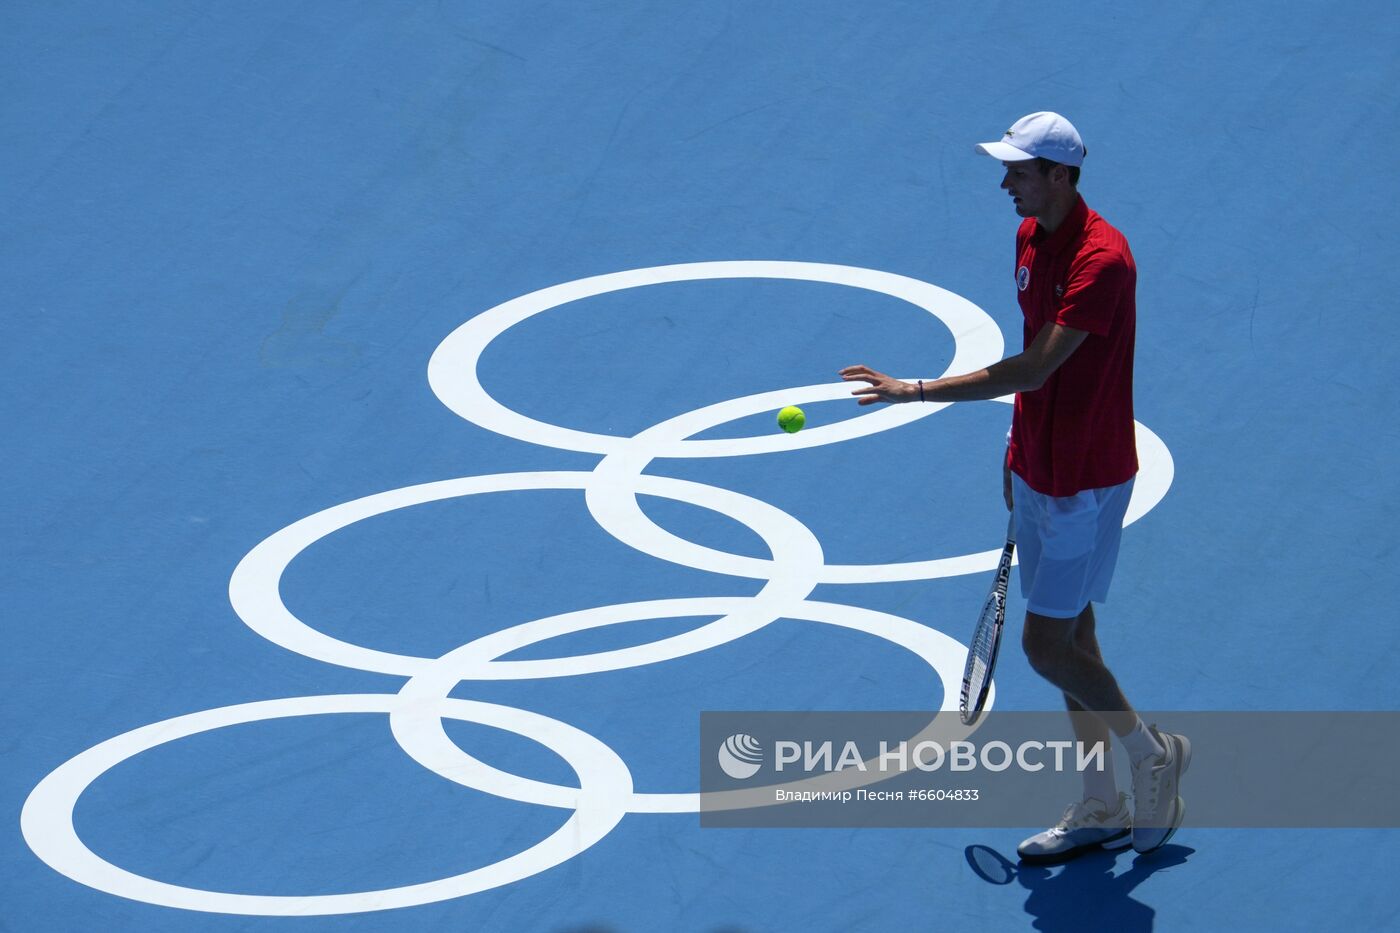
(1024, 372)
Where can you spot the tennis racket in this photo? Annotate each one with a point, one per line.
(982, 655)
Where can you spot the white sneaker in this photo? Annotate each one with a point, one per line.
(1157, 806)
(1088, 824)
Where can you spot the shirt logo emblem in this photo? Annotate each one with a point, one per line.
(1023, 278)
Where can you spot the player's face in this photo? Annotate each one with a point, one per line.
(1029, 188)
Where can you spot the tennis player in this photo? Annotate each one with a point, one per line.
(1068, 472)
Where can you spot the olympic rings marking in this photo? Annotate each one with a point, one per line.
(253, 588)
(453, 377)
(977, 342)
(605, 782)
(427, 743)
(606, 792)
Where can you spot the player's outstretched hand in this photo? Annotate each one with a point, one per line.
(882, 388)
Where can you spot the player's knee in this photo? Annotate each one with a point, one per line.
(1049, 662)
(1048, 645)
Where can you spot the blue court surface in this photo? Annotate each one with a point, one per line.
(284, 449)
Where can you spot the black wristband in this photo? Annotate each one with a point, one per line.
(921, 390)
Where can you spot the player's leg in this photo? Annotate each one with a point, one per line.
(1158, 758)
(1074, 547)
(1090, 730)
(1076, 668)
(1089, 823)
(1068, 565)
(1065, 652)
(1139, 740)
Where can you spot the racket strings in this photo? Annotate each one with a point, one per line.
(980, 657)
(982, 653)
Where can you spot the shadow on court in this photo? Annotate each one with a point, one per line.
(1083, 894)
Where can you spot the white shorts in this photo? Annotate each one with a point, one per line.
(1067, 546)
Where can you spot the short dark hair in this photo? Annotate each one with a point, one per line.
(1046, 165)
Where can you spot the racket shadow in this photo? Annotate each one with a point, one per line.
(1083, 894)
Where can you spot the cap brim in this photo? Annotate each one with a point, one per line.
(1004, 152)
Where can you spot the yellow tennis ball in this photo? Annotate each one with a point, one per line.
(791, 419)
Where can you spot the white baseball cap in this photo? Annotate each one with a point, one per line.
(1042, 135)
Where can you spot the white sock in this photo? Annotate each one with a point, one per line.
(1140, 743)
(1102, 785)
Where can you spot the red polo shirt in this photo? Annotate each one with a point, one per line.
(1076, 431)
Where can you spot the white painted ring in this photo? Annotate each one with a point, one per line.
(47, 817)
(427, 742)
(452, 370)
(256, 598)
